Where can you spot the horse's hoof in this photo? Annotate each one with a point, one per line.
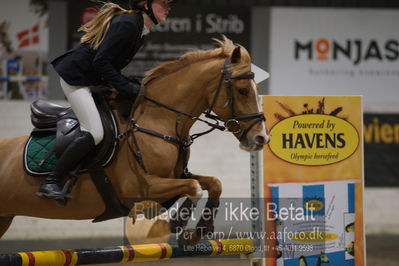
(210, 229)
(174, 226)
(188, 238)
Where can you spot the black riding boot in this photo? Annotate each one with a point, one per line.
(69, 159)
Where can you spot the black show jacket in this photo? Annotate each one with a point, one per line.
(84, 66)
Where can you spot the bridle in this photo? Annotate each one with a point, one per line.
(233, 124)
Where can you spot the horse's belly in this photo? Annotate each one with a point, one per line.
(85, 203)
(18, 190)
(13, 180)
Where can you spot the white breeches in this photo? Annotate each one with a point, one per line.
(82, 104)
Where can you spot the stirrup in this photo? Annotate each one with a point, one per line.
(64, 196)
(47, 193)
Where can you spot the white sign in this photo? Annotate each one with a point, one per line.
(335, 52)
(260, 74)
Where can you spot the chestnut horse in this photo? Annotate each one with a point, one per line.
(177, 93)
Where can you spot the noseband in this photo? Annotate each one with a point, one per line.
(233, 124)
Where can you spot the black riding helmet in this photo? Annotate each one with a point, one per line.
(134, 4)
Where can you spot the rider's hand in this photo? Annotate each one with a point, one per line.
(134, 90)
(134, 87)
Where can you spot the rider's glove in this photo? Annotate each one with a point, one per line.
(134, 87)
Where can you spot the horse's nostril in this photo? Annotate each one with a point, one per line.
(260, 140)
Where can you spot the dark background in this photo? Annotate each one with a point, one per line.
(381, 160)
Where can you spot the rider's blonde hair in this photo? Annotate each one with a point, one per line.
(96, 28)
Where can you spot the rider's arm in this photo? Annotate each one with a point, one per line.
(121, 35)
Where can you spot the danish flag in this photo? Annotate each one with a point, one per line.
(29, 36)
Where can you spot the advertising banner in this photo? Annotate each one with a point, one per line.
(335, 52)
(313, 180)
(381, 147)
(188, 28)
(23, 49)
(326, 232)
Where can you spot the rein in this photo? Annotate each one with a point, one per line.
(232, 125)
(184, 143)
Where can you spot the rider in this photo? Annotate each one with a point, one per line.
(110, 41)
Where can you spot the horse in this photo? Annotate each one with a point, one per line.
(176, 94)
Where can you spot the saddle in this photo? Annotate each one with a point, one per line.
(55, 127)
(58, 125)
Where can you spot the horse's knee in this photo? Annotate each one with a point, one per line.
(215, 188)
(194, 190)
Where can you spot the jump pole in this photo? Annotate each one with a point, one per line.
(132, 253)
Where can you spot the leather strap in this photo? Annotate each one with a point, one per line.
(113, 206)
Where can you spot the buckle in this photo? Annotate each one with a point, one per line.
(233, 126)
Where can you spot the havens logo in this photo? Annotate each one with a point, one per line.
(355, 50)
(313, 139)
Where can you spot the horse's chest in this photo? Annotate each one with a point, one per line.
(162, 162)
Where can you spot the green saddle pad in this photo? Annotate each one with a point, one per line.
(40, 148)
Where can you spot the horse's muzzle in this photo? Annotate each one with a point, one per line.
(255, 136)
(262, 139)
(254, 143)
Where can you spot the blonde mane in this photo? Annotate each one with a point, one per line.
(226, 47)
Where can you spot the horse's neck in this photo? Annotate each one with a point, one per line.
(186, 90)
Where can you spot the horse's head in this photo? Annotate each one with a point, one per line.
(220, 80)
(236, 99)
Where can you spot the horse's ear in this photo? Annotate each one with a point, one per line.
(236, 55)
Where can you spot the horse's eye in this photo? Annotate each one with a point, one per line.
(243, 91)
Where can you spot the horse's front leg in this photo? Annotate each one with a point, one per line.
(206, 223)
(214, 187)
(162, 189)
(167, 188)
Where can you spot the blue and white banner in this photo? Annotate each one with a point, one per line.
(314, 222)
